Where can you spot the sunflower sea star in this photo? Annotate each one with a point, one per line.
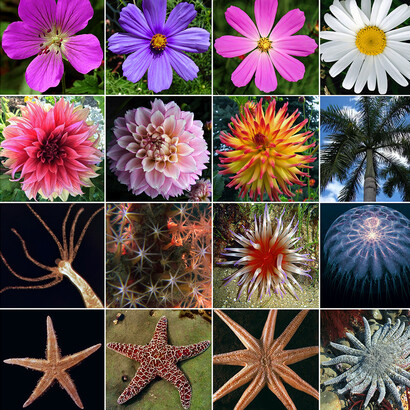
(158, 358)
(265, 362)
(378, 363)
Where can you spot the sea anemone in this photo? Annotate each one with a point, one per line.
(158, 151)
(53, 150)
(265, 155)
(268, 257)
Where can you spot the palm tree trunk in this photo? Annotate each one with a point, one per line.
(369, 178)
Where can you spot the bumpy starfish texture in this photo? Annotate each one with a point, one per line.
(54, 367)
(265, 362)
(158, 358)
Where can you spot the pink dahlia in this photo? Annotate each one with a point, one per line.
(52, 149)
(269, 49)
(159, 151)
(201, 191)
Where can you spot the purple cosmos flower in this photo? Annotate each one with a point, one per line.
(47, 30)
(156, 45)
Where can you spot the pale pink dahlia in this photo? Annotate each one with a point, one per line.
(158, 151)
(201, 191)
(52, 150)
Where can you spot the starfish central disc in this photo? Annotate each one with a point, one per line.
(264, 44)
(371, 40)
(158, 42)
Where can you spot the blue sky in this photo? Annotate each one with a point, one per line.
(332, 190)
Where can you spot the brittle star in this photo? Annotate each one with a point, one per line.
(68, 251)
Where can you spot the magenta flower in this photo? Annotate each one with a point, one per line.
(156, 45)
(158, 151)
(269, 49)
(47, 30)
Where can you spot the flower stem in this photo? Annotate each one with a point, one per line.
(63, 88)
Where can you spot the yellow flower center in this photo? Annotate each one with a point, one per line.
(158, 42)
(371, 40)
(264, 44)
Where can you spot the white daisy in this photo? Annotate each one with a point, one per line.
(366, 40)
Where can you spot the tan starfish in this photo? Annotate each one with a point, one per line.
(54, 367)
(265, 362)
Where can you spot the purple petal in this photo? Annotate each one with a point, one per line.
(159, 73)
(133, 21)
(265, 13)
(38, 14)
(288, 67)
(83, 52)
(232, 46)
(193, 40)
(155, 12)
(21, 41)
(296, 45)
(137, 64)
(245, 71)
(289, 24)
(124, 43)
(265, 78)
(179, 18)
(45, 71)
(241, 22)
(73, 15)
(182, 65)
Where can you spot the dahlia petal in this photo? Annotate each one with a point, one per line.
(184, 149)
(186, 164)
(21, 41)
(124, 43)
(395, 18)
(192, 40)
(142, 116)
(45, 71)
(179, 18)
(155, 179)
(241, 22)
(245, 71)
(265, 13)
(133, 21)
(289, 24)
(38, 14)
(288, 67)
(299, 45)
(73, 15)
(136, 64)
(182, 65)
(83, 52)
(169, 125)
(159, 73)
(171, 171)
(353, 72)
(232, 46)
(265, 78)
(157, 118)
(344, 62)
(155, 12)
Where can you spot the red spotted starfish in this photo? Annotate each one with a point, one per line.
(158, 358)
(54, 367)
(265, 362)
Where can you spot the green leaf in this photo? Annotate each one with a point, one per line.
(90, 85)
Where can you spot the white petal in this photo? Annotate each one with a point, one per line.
(381, 75)
(363, 75)
(383, 11)
(353, 72)
(366, 8)
(400, 34)
(400, 47)
(336, 25)
(331, 35)
(398, 61)
(395, 18)
(354, 11)
(392, 70)
(345, 61)
(375, 11)
(371, 81)
(335, 50)
(342, 15)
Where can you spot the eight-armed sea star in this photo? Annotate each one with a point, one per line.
(54, 367)
(265, 362)
(158, 358)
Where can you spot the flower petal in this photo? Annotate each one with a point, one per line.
(382, 12)
(335, 50)
(159, 73)
(232, 46)
(136, 64)
(38, 14)
(155, 179)
(21, 41)
(241, 22)
(73, 15)
(344, 62)
(83, 52)
(45, 71)
(395, 18)
(399, 34)
(182, 64)
(353, 72)
(288, 67)
(401, 63)
(155, 12)
(192, 40)
(343, 16)
(364, 74)
(133, 21)
(336, 25)
(265, 13)
(245, 71)
(381, 76)
(299, 45)
(289, 24)
(179, 18)
(265, 78)
(391, 68)
(124, 43)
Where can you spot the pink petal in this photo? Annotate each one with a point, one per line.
(265, 78)
(155, 179)
(45, 71)
(241, 22)
(39, 14)
(288, 67)
(245, 71)
(148, 164)
(187, 164)
(83, 52)
(184, 149)
(171, 171)
(289, 24)
(232, 46)
(73, 15)
(296, 45)
(21, 41)
(157, 118)
(265, 13)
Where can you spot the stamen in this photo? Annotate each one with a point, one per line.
(158, 43)
(371, 40)
(264, 44)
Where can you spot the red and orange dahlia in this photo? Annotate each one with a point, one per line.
(52, 150)
(267, 151)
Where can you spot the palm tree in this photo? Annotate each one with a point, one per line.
(371, 143)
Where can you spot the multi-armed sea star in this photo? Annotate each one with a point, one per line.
(158, 358)
(54, 367)
(265, 362)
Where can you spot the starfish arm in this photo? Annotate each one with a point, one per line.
(245, 337)
(251, 391)
(68, 385)
(70, 361)
(160, 333)
(142, 377)
(237, 358)
(34, 364)
(269, 329)
(186, 352)
(278, 389)
(175, 376)
(53, 351)
(129, 350)
(43, 384)
(240, 378)
(296, 355)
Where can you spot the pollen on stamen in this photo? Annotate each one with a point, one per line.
(158, 42)
(264, 44)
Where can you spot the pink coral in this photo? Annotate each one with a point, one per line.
(158, 151)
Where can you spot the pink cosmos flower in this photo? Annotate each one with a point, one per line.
(52, 148)
(47, 30)
(269, 49)
(158, 151)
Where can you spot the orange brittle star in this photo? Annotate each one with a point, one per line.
(54, 367)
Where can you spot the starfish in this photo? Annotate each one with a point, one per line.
(54, 367)
(265, 362)
(158, 358)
